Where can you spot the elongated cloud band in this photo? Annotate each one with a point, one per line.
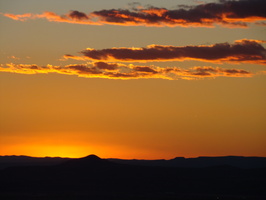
(121, 71)
(242, 51)
(73, 17)
(229, 13)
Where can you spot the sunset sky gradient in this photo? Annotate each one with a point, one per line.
(148, 80)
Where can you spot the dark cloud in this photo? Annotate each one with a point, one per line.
(211, 71)
(229, 13)
(145, 69)
(105, 66)
(235, 71)
(78, 15)
(119, 75)
(241, 51)
(83, 69)
(33, 67)
(132, 72)
(233, 13)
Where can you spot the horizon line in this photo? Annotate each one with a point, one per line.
(63, 157)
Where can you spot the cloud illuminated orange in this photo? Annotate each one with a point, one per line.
(241, 51)
(74, 17)
(121, 71)
(226, 13)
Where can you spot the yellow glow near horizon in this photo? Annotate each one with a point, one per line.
(76, 145)
(46, 150)
(77, 151)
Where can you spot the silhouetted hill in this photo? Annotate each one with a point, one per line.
(88, 161)
(9, 161)
(94, 178)
(235, 161)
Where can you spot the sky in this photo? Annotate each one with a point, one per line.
(123, 79)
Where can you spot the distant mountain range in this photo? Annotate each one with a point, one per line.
(234, 161)
(94, 178)
(11, 161)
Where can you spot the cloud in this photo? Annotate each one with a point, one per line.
(68, 56)
(106, 66)
(13, 57)
(121, 71)
(73, 17)
(241, 51)
(76, 15)
(229, 13)
(22, 17)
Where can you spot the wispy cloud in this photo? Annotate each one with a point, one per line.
(13, 57)
(121, 71)
(18, 58)
(73, 17)
(226, 13)
(241, 51)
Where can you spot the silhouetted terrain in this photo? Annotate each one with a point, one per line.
(234, 161)
(94, 178)
(10, 161)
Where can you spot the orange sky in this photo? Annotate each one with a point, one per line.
(149, 91)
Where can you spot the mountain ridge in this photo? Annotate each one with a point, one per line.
(92, 177)
(201, 161)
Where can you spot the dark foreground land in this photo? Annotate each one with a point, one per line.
(95, 178)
